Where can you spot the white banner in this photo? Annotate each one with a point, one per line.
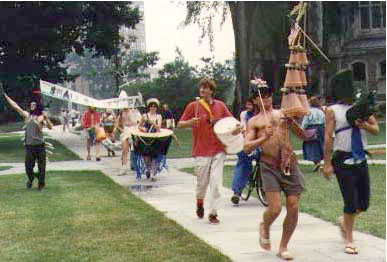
(59, 92)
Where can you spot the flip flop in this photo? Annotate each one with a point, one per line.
(352, 250)
(262, 240)
(340, 222)
(285, 255)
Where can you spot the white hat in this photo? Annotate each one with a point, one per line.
(153, 100)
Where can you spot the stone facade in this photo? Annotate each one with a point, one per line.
(362, 47)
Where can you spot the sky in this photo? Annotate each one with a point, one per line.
(163, 34)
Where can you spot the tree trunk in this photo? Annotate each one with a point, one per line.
(315, 31)
(241, 13)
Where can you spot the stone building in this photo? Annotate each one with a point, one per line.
(362, 46)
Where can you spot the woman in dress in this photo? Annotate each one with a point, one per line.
(151, 123)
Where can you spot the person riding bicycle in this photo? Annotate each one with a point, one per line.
(244, 167)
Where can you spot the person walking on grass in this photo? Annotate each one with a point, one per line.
(344, 155)
(268, 131)
(313, 124)
(244, 167)
(207, 150)
(35, 120)
(90, 122)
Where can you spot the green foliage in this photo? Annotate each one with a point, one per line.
(100, 72)
(36, 36)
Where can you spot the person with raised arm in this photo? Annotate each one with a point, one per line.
(35, 120)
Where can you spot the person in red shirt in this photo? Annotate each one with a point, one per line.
(90, 121)
(207, 150)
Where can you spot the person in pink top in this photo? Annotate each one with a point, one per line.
(207, 150)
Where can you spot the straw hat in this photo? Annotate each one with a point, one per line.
(153, 100)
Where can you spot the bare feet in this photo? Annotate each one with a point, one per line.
(264, 238)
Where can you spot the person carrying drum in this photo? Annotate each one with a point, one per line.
(268, 130)
(344, 153)
(34, 142)
(244, 166)
(207, 150)
(151, 123)
(90, 122)
(108, 120)
(125, 121)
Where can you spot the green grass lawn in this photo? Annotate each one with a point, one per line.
(85, 216)
(12, 150)
(323, 199)
(2, 168)
(11, 127)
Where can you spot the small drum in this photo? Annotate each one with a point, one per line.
(223, 130)
(152, 144)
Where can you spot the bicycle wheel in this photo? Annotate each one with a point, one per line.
(259, 188)
(251, 184)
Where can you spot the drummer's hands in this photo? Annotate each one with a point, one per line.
(194, 122)
(238, 130)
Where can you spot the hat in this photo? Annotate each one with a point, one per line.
(153, 100)
(342, 85)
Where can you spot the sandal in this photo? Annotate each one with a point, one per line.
(350, 249)
(285, 255)
(263, 242)
(88, 158)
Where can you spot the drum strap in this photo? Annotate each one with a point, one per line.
(207, 108)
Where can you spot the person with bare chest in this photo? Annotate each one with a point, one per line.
(125, 121)
(278, 166)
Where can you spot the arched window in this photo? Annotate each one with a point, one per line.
(359, 72)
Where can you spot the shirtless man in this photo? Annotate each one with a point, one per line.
(271, 137)
(124, 122)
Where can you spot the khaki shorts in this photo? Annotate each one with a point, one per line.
(274, 181)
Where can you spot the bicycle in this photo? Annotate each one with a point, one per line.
(255, 181)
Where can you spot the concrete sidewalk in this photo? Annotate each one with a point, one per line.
(237, 234)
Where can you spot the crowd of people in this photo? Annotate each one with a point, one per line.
(325, 132)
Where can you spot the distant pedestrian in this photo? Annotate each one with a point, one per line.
(35, 120)
(344, 155)
(168, 117)
(313, 124)
(207, 150)
(90, 122)
(65, 119)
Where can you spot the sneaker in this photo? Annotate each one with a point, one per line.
(235, 199)
(153, 179)
(98, 159)
(316, 168)
(41, 186)
(213, 219)
(29, 184)
(200, 211)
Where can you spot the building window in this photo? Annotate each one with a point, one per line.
(372, 14)
(382, 70)
(359, 72)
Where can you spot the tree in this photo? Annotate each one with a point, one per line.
(34, 47)
(100, 72)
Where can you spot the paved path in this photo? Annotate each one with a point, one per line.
(237, 234)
